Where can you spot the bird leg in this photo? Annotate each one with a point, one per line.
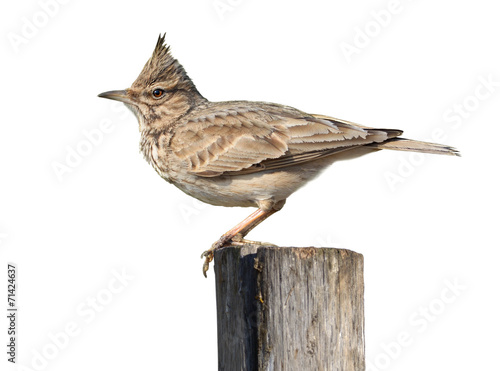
(237, 233)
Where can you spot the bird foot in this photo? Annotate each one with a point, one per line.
(241, 242)
(226, 241)
(209, 254)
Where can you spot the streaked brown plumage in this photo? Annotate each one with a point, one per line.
(240, 153)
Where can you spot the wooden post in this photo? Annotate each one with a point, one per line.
(289, 308)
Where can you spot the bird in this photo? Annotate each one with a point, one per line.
(240, 153)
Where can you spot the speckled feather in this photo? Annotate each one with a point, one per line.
(245, 137)
(241, 153)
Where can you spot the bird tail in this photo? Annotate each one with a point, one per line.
(402, 144)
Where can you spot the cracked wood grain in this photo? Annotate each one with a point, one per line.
(289, 308)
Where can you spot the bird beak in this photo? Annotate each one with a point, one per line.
(119, 95)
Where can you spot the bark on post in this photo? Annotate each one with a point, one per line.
(289, 308)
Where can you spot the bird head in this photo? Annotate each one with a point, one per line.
(161, 93)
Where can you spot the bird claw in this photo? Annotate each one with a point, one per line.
(250, 242)
(209, 254)
(227, 241)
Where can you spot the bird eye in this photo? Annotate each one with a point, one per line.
(158, 93)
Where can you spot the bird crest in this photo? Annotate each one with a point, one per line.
(163, 67)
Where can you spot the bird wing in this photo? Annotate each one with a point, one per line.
(242, 139)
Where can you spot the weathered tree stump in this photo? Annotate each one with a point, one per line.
(289, 308)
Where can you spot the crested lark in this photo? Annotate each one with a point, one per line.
(240, 153)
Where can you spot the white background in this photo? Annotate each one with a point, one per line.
(110, 214)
